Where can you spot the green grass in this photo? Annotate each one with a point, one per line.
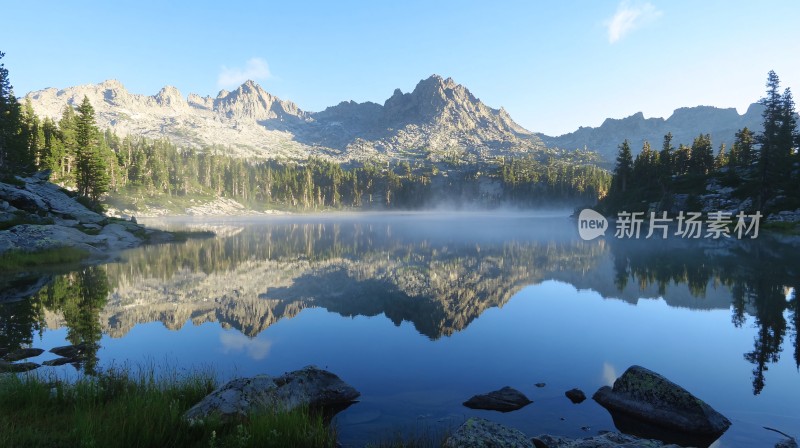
(17, 260)
(120, 408)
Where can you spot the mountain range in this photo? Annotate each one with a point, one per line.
(439, 119)
(685, 124)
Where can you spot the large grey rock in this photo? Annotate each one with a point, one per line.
(606, 440)
(310, 386)
(481, 433)
(649, 397)
(22, 198)
(35, 238)
(59, 203)
(118, 237)
(503, 400)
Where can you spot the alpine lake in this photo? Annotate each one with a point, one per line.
(420, 311)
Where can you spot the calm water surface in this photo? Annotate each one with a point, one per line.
(421, 311)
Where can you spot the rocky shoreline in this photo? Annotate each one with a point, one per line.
(647, 399)
(44, 224)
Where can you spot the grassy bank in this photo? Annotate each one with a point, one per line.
(119, 408)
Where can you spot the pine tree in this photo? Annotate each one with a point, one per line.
(91, 167)
(14, 155)
(742, 152)
(777, 141)
(722, 157)
(624, 167)
(666, 158)
(701, 160)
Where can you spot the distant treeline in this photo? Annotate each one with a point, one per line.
(762, 167)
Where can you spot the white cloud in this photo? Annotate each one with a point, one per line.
(256, 349)
(630, 16)
(255, 69)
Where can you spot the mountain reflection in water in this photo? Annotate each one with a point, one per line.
(438, 273)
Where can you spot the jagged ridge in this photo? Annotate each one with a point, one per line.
(439, 115)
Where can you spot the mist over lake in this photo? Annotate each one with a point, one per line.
(419, 311)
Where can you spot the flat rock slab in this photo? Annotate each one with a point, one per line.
(575, 396)
(9, 367)
(310, 386)
(481, 433)
(649, 397)
(23, 353)
(607, 440)
(504, 400)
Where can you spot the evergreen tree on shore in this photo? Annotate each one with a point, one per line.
(624, 168)
(91, 169)
(14, 155)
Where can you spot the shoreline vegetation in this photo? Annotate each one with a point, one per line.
(121, 408)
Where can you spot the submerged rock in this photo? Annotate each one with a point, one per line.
(606, 440)
(575, 395)
(9, 367)
(69, 351)
(311, 386)
(23, 353)
(481, 433)
(649, 397)
(503, 400)
(58, 362)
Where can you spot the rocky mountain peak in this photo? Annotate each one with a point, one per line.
(251, 102)
(438, 115)
(112, 84)
(170, 96)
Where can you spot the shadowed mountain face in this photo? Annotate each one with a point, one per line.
(437, 117)
(685, 124)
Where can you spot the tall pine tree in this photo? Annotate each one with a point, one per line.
(91, 167)
(624, 167)
(14, 155)
(777, 141)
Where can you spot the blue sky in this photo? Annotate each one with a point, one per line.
(554, 65)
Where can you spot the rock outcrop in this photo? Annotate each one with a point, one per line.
(653, 399)
(504, 400)
(605, 440)
(575, 395)
(481, 433)
(38, 216)
(309, 387)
